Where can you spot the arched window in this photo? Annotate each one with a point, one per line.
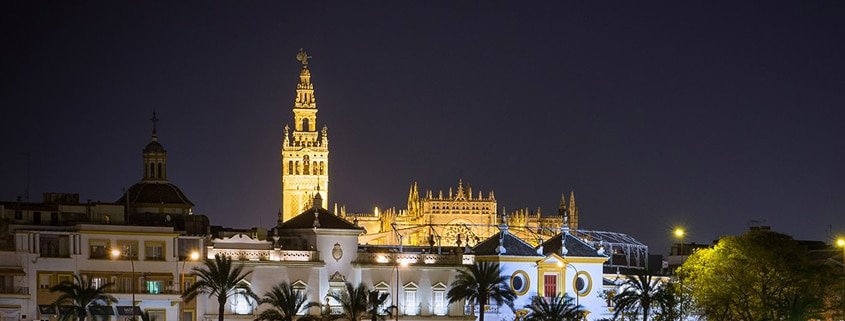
(322, 168)
(305, 124)
(296, 168)
(159, 170)
(316, 169)
(152, 170)
(290, 167)
(306, 166)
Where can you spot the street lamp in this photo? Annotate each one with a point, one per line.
(840, 242)
(192, 257)
(116, 254)
(680, 233)
(402, 263)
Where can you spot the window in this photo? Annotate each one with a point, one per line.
(519, 282)
(154, 251)
(54, 218)
(98, 281)
(36, 218)
(128, 249)
(383, 288)
(45, 280)
(157, 315)
(582, 283)
(54, 245)
(155, 287)
(124, 284)
(187, 315)
(18, 215)
(7, 284)
(241, 303)
(299, 288)
(439, 304)
(549, 285)
(98, 249)
(410, 300)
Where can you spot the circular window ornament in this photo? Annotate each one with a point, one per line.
(582, 283)
(519, 282)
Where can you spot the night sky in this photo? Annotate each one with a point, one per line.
(706, 114)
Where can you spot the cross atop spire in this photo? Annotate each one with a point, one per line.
(155, 120)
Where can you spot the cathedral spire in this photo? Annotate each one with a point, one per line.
(572, 210)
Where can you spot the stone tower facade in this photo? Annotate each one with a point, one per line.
(305, 152)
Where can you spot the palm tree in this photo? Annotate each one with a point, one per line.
(374, 306)
(556, 308)
(481, 283)
(219, 278)
(638, 294)
(81, 294)
(285, 303)
(353, 300)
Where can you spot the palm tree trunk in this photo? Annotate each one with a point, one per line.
(481, 302)
(646, 307)
(221, 307)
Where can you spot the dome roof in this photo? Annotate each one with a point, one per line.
(154, 147)
(155, 193)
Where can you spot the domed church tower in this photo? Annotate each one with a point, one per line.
(305, 152)
(154, 194)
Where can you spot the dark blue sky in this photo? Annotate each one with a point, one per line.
(706, 114)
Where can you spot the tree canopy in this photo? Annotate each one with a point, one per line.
(760, 275)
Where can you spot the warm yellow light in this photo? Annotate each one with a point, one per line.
(559, 264)
(115, 253)
(403, 263)
(679, 232)
(195, 256)
(840, 242)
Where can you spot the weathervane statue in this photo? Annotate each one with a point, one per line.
(303, 57)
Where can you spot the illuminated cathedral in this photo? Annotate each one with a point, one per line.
(460, 217)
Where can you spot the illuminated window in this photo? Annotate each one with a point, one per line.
(154, 287)
(241, 303)
(299, 288)
(128, 249)
(439, 303)
(410, 301)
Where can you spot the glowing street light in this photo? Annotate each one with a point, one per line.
(679, 232)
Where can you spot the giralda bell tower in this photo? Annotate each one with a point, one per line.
(305, 153)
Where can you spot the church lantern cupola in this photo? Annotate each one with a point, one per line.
(155, 157)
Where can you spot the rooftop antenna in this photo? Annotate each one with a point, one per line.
(26, 191)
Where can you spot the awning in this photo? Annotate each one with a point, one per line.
(47, 309)
(12, 271)
(127, 310)
(101, 310)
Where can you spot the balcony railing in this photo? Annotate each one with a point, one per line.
(14, 290)
(440, 310)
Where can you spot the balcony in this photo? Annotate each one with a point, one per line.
(14, 291)
(440, 310)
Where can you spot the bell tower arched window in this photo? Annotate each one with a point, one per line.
(306, 166)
